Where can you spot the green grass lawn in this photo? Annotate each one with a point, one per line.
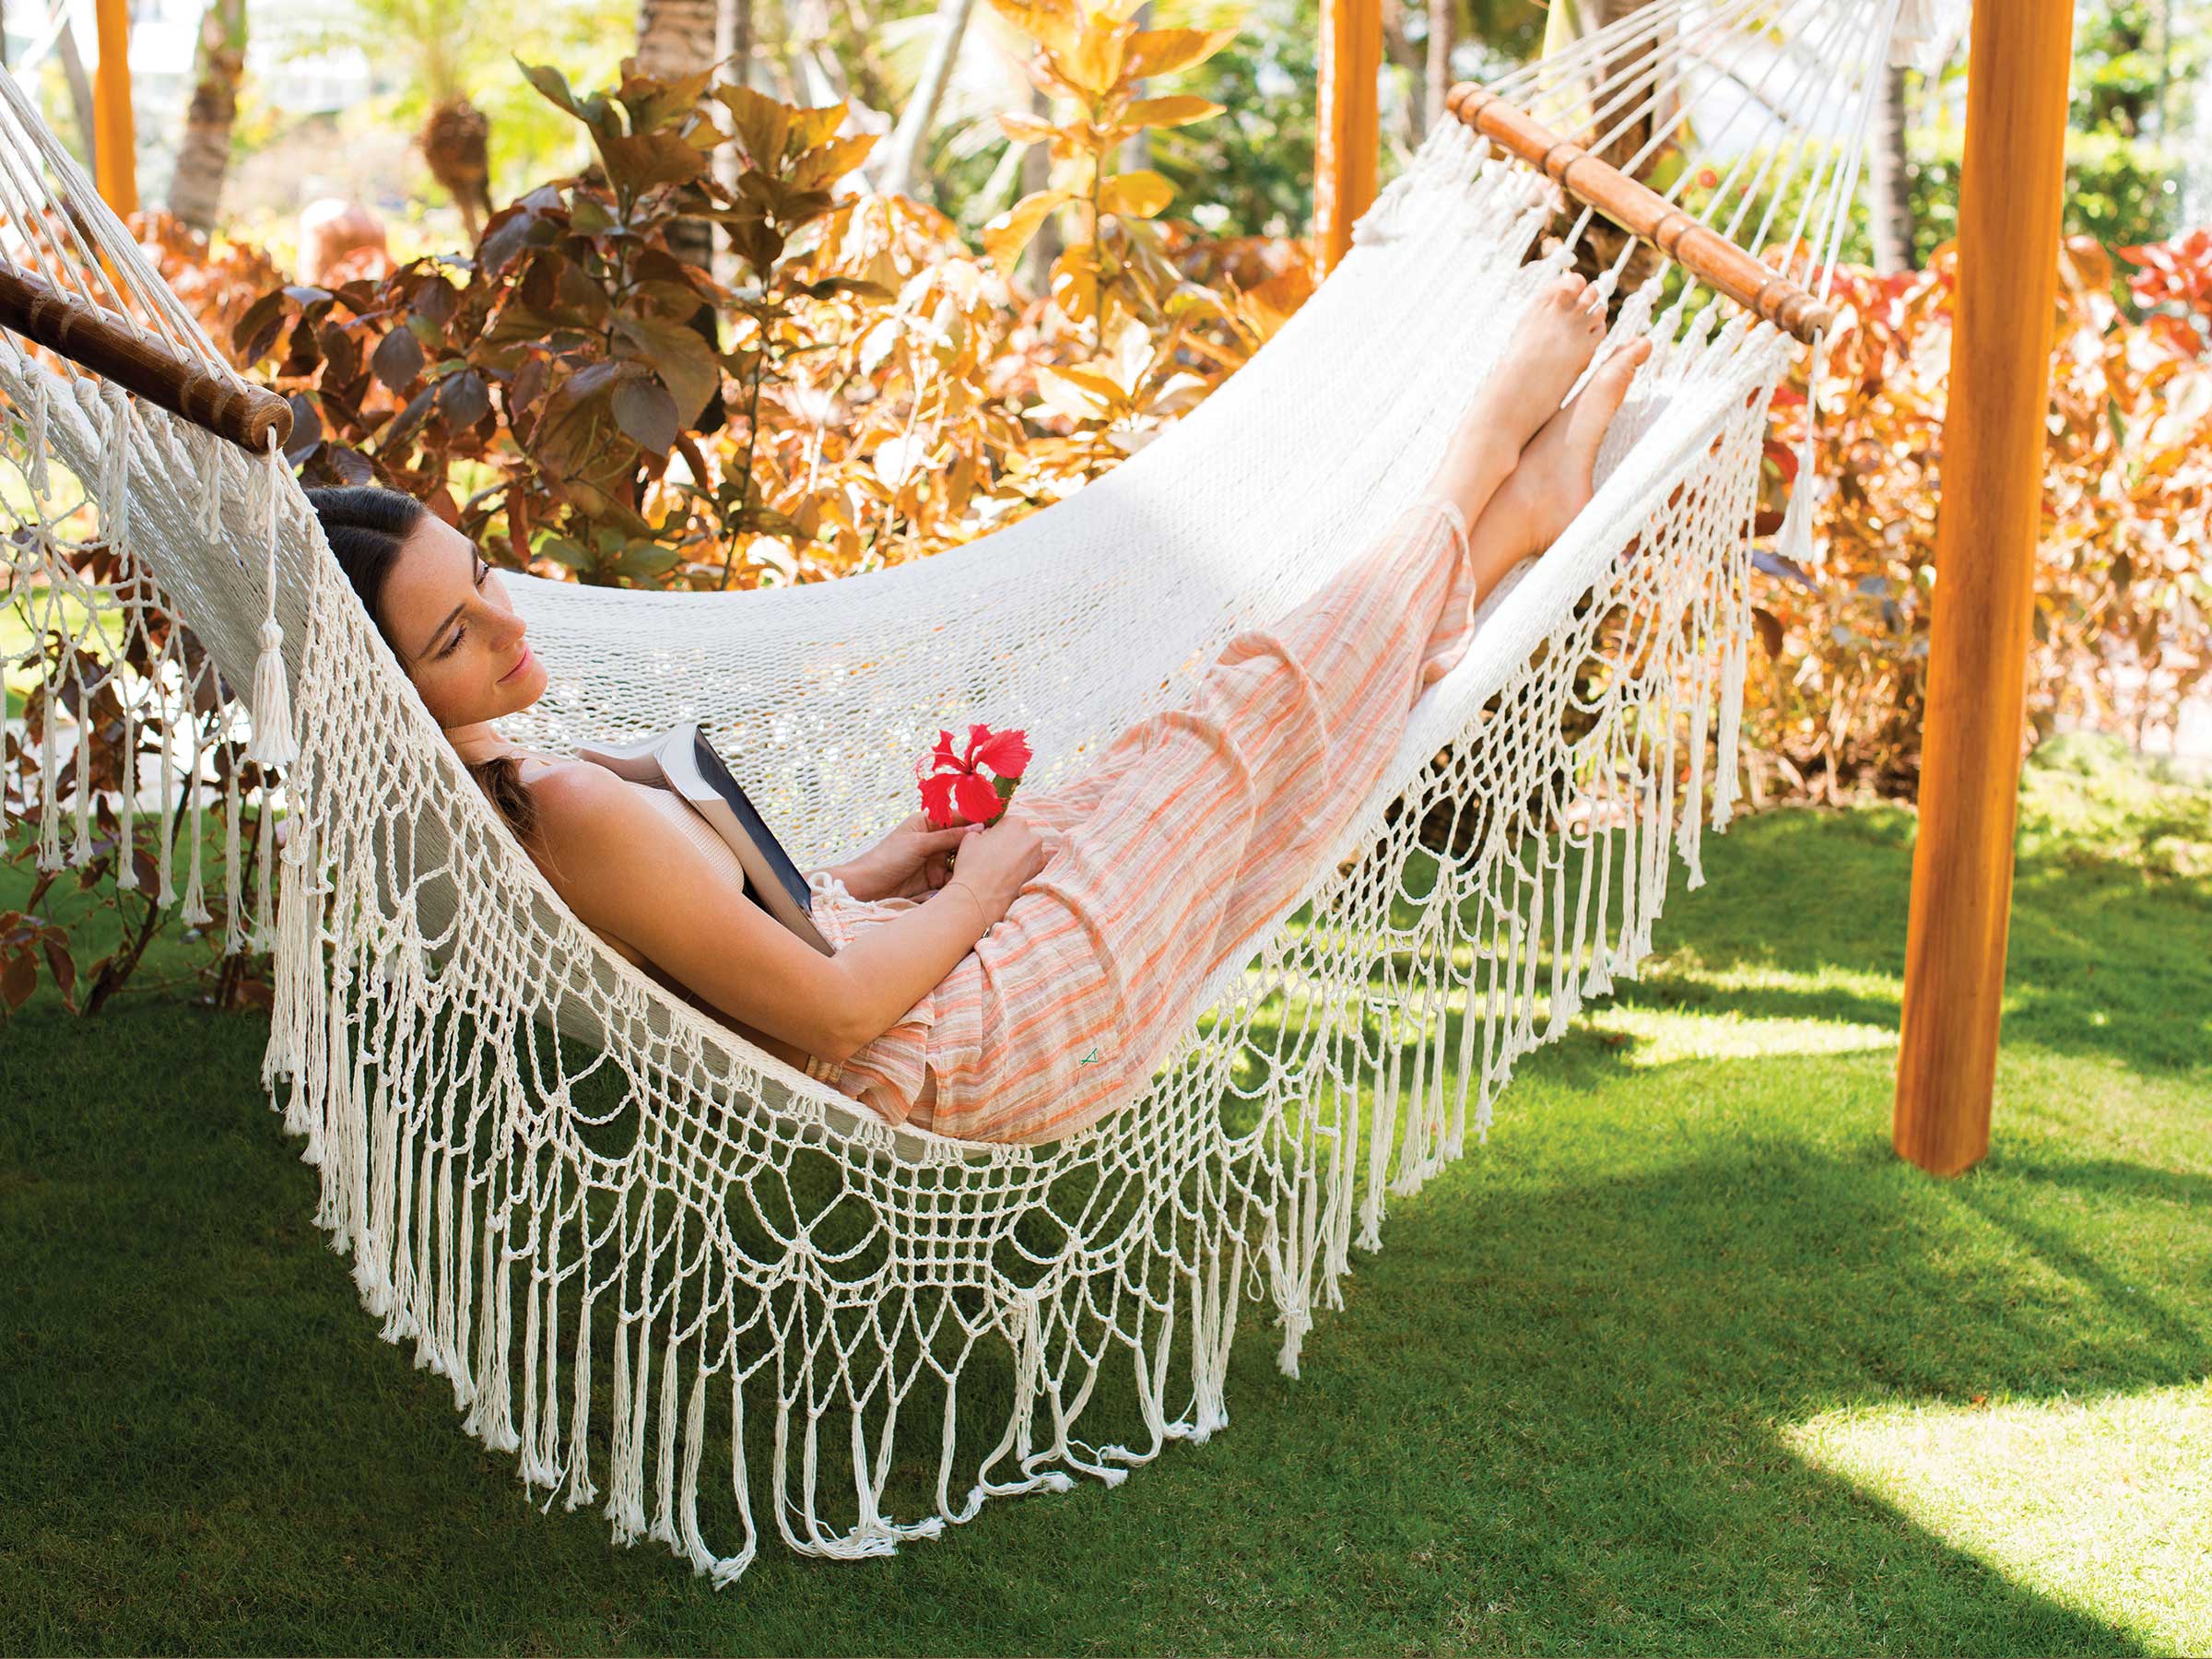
(1685, 1360)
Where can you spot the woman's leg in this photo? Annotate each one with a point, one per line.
(1074, 993)
(1548, 484)
(1207, 818)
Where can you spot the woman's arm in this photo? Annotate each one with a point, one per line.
(910, 861)
(625, 868)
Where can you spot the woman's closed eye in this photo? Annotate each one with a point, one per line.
(483, 571)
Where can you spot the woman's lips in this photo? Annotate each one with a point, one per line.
(521, 663)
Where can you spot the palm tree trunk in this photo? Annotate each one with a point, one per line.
(1036, 174)
(690, 36)
(80, 94)
(733, 46)
(1890, 205)
(1398, 49)
(1627, 131)
(196, 191)
(678, 38)
(1444, 25)
(1136, 149)
(921, 112)
(456, 146)
(675, 37)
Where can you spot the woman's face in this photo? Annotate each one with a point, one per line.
(449, 617)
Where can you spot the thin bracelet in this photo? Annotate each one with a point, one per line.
(973, 896)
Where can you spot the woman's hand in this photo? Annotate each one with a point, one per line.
(1000, 861)
(911, 861)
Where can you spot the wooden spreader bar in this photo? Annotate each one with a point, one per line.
(1643, 212)
(92, 336)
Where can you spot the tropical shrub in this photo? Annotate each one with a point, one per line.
(566, 397)
(585, 404)
(2124, 566)
(2175, 278)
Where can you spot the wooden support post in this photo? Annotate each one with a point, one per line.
(115, 149)
(1348, 147)
(2011, 199)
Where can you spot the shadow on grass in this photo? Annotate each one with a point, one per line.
(1544, 1420)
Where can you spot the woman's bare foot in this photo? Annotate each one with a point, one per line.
(1556, 339)
(1553, 482)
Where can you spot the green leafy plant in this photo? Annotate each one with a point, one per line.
(570, 363)
(1117, 267)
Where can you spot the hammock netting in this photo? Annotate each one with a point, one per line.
(642, 1250)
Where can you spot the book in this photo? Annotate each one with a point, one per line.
(681, 760)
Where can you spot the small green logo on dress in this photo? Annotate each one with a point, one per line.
(1089, 1057)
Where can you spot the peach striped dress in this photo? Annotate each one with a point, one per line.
(1169, 855)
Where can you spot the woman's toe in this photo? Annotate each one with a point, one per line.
(1599, 402)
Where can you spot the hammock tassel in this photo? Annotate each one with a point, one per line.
(80, 849)
(50, 777)
(116, 506)
(166, 893)
(581, 1490)
(1922, 32)
(272, 742)
(302, 1001)
(732, 1567)
(1794, 542)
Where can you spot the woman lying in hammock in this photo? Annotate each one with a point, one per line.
(1023, 998)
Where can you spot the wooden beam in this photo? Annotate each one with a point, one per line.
(1348, 147)
(2010, 213)
(102, 342)
(115, 151)
(1640, 211)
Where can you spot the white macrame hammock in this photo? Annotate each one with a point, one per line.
(643, 1242)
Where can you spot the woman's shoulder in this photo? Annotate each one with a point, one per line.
(567, 792)
(563, 774)
(582, 806)
(572, 807)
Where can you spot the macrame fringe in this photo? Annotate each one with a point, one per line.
(445, 1247)
(451, 1150)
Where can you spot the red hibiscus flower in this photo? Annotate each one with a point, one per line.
(955, 791)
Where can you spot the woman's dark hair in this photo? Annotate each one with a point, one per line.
(365, 525)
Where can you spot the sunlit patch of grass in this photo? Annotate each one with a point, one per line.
(2102, 1504)
(1623, 1379)
(1664, 1037)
